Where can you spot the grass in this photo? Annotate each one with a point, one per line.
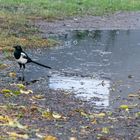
(16, 16)
(64, 8)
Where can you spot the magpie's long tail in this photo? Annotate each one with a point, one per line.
(40, 64)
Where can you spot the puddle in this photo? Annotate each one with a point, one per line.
(94, 90)
(109, 56)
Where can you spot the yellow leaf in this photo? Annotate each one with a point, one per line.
(3, 106)
(100, 115)
(3, 119)
(47, 115)
(3, 66)
(12, 74)
(15, 123)
(25, 91)
(94, 121)
(21, 86)
(6, 91)
(105, 130)
(7, 121)
(14, 134)
(137, 114)
(84, 114)
(39, 97)
(49, 137)
(56, 115)
(124, 107)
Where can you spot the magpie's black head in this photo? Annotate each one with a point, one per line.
(17, 47)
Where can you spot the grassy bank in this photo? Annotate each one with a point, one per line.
(64, 8)
(16, 16)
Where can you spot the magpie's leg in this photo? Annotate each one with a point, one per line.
(20, 66)
(23, 68)
(23, 72)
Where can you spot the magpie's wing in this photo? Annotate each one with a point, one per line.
(24, 55)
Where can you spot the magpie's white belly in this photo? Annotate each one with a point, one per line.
(22, 60)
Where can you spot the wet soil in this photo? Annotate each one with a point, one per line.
(79, 119)
(119, 20)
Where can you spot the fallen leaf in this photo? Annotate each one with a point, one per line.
(133, 95)
(56, 115)
(6, 91)
(99, 115)
(72, 138)
(34, 108)
(14, 134)
(85, 127)
(16, 92)
(15, 123)
(3, 66)
(124, 107)
(127, 106)
(47, 114)
(21, 86)
(25, 91)
(84, 114)
(3, 119)
(105, 130)
(3, 106)
(39, 135)
(137, 114)
(39, 97)
(7, 121)
(99, 136)
(12, 74)
(49, 137)
(94, 121)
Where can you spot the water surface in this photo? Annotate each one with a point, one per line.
(90, 64)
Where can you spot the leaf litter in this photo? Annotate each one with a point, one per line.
(53, 115)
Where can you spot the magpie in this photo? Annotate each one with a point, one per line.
(22, 58)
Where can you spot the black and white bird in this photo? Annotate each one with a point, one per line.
(22, 58)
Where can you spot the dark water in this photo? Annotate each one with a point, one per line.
(92, 63)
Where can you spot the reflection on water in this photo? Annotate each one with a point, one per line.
(87, 88)
(110, 54)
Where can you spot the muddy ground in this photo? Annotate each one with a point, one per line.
(42, 112)
(119, 20)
